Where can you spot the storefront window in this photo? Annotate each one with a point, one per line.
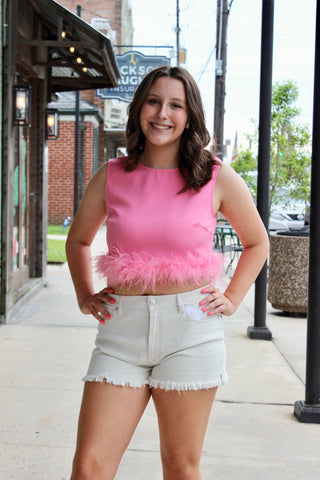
(19, 244)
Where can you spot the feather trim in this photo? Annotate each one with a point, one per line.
(143, 268)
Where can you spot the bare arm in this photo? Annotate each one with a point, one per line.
(233, 200)
(91, 214)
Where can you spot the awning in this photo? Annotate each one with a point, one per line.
(79, 57)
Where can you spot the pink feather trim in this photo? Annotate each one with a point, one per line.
(136, 268)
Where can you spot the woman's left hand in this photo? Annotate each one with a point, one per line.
(216, 302)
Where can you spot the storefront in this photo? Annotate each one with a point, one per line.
(47, 49)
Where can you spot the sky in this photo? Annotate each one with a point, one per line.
(154, 23)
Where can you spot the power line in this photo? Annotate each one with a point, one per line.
(199, 25)
(207, 62)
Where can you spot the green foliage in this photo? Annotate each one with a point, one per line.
(290, 162)
(246, 165)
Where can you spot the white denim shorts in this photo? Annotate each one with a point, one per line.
(164, 341)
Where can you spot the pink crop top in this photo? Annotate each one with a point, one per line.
(154, 234)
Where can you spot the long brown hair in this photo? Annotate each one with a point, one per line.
(195, 162)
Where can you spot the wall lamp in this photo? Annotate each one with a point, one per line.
(21, 110)
(52, 124)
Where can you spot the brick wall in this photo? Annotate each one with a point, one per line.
(61, 152)
(61, 171)
(90, 96)
(110, 9)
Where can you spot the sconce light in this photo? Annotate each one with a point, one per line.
(52, 124)
(21, 110)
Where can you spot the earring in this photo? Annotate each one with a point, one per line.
(187, 125)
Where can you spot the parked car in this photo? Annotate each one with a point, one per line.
(283, 221)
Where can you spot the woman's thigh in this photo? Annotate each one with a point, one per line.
(108, 417)
(183, 419)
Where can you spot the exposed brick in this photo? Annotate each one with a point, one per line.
(61, 151)
(61, 171)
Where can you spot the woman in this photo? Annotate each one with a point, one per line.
(160, 331)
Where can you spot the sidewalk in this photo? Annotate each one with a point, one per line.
(252, 432)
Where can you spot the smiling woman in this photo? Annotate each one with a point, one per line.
(163, 118)
(184, 99)
(160, 331)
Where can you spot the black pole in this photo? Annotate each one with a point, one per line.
(309, 410)
(260, 331)
(81, 161)
(76, 153)
(76, 144)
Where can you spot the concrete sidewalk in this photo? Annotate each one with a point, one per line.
(252, 432)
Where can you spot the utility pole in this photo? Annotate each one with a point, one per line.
(221, 64)
(178, 33)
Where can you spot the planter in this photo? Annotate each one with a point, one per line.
(288, 273)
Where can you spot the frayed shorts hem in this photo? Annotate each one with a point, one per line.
(163, 385)
(106, 379)
(163, 341)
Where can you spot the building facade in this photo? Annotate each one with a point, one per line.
(116, 12)
(113, 18)
(62, 153)
(37, 63)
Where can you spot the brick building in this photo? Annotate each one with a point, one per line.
(35, 41)
(117, 12)
(112, 18)
(62, 153)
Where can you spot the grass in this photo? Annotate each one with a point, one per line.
(56, 251)
(56, 247)
(57, 230)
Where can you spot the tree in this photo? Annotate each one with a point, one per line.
(290, 156)
(246, 165)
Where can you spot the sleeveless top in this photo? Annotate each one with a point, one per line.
(155, 235)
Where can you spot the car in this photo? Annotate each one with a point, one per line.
(283, 221)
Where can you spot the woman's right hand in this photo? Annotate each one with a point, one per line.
(97, 305)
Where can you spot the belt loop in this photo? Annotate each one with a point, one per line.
(179, 303)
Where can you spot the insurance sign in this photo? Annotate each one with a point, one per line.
(133, 67)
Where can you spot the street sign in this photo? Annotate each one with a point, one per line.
(133, 67)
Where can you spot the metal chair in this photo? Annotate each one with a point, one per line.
(227, 242)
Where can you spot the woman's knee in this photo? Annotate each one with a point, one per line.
(84, 468)
(89, 467)
(180, 467)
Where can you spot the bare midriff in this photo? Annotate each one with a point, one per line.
(160, 289)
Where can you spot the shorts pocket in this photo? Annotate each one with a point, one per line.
(194, 312)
